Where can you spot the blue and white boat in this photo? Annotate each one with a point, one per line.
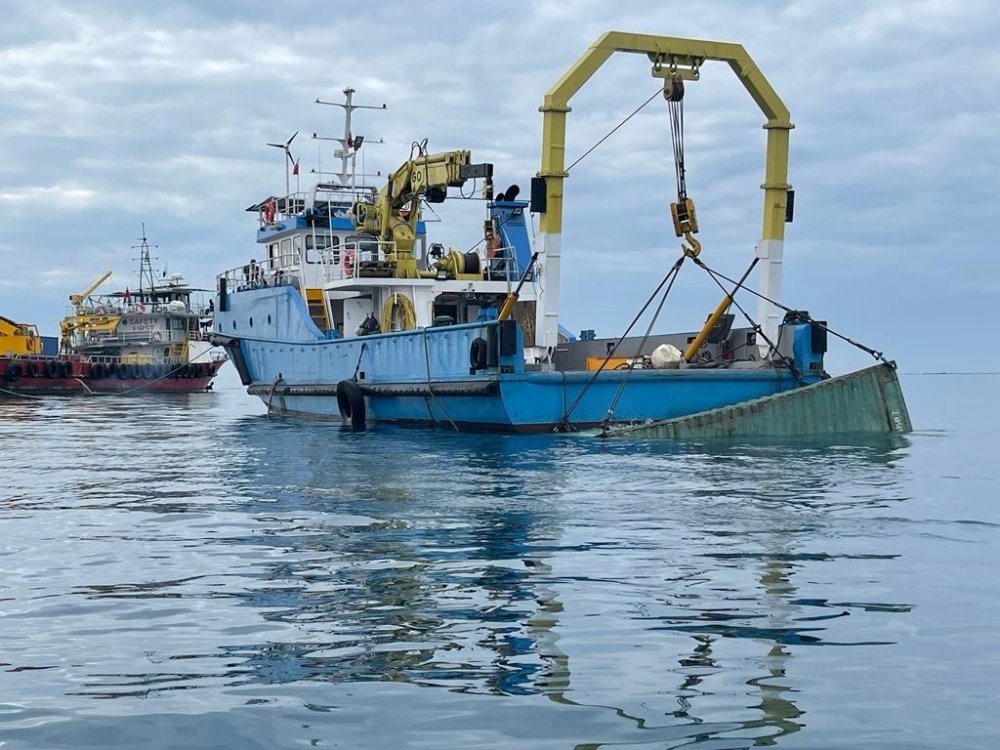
(353, 313)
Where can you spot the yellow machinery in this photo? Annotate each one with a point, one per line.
(673, 60)
(19, 338)
(86, 320)
(394, 215)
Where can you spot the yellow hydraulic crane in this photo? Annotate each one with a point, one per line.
(77, 299)
(394, 215)
(674, 60)
(85, 320)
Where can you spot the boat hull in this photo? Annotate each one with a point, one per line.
(41, 376)
(536, 401)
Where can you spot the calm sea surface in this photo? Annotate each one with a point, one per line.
(183, 572)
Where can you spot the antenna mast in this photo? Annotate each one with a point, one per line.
(349, 143)
(145, 263)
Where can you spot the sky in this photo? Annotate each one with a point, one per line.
(118, 114)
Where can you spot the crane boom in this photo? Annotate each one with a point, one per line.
(77, 299)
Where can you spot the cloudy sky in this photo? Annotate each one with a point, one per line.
(117, 113)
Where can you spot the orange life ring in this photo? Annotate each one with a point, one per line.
(269, 211)
(157, 335)
(138, 307)
(348, 264)
(492, 245)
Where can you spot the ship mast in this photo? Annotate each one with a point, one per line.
(350, 144)
(145, 262)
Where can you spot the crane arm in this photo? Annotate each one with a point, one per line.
(426, 176)
(76, 299)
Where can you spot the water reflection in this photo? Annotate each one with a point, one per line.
(474, 564)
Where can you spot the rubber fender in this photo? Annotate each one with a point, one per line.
(351, 403)
(13, 372)
(30, 369)
(97, 371)
(66, 369)
(133, 371)
(122, 371)
(477, 354)
(51, 369)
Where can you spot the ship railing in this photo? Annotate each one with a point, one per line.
(500, 264)
(345, 261)
(278, 270)
(275, 271)
(157, 337)
(328, 200)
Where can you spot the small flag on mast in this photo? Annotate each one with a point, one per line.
(295, 167)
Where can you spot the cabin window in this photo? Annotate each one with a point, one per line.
(286, 252)
(317, 243)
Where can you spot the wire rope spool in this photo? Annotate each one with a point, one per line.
(398, 314)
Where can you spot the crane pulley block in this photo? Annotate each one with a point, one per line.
(685, 221)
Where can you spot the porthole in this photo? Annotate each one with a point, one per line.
(251, 322)
(234, 325)
(269, 319)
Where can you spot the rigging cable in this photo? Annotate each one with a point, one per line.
(757, 329)
(642, 344)
(675, 108)
(564, 424)
(873, 352)
(611, 132)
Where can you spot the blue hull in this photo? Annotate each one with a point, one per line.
(426, 376)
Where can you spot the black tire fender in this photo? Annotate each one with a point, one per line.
(351, 402)
(477, 354)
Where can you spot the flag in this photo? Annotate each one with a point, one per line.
(126, 295)
(295, 167)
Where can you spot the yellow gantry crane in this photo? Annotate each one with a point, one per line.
(674, 60)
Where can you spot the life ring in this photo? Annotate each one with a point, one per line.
(138, 307)
(157, 335)
(348, 264)
(269, 211)
(477, 354)
(92, 339)
(351, 403)
(492, 245)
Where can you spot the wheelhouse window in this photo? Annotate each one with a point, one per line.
(317, 243)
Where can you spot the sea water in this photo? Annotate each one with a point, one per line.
(185, 572)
